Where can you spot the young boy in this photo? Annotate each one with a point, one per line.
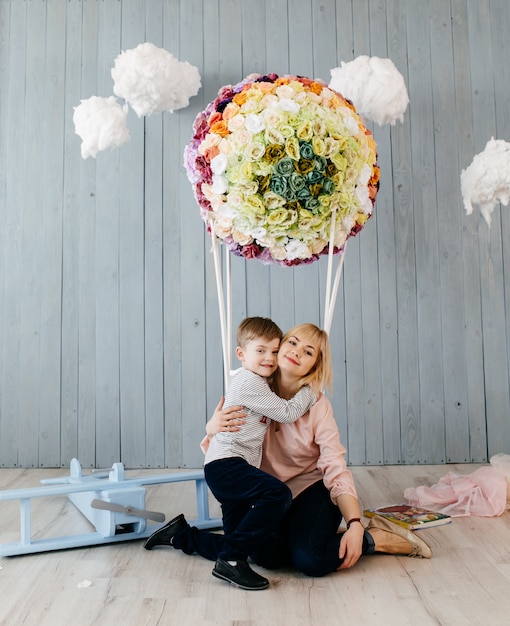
(253, 502)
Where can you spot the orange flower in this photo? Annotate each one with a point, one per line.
(240, 98)
(316, 88)
(376, 175)
(220, 128)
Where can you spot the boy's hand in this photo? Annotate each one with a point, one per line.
(225, 420)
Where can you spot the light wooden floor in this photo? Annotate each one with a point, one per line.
(466, 583)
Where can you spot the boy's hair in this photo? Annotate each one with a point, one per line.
(257, 328)
(321, 374)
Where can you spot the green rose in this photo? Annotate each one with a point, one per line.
(320, 163)
(289, 193)
(278, 185)
(306, 150)
(284, 167)
(303, 194)
(313, 177)
(296, 181)
(312, 204)
(328, 186)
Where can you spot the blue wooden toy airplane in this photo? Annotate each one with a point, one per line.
(113, 504)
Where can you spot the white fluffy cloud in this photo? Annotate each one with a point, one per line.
(152, 80)
(375, 87)
(486, 182)
(101, 123)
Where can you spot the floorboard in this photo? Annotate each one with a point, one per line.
(466, 582)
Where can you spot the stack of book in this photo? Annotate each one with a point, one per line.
(411, 517)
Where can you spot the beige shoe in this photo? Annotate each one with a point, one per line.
(390, 538)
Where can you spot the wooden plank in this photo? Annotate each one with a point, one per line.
(497, 392)
(193, 328)
(13, 20)
(51, 235)
(70, 239)
(131, 264)
(87, 279)
(108, 445)
(30, 286)
(388, 429)
(401, 174)
(153, 265)
(473, 337)
(500, 18)
(171, 236)
(456, 407)
(432, 429)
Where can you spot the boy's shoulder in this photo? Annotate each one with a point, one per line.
(244, 374)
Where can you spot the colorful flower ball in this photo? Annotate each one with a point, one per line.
(272, 159)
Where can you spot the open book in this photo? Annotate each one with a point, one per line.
(412, 517)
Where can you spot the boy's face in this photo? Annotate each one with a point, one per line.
(259, 356)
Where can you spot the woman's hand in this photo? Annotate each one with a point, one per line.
(225, 420)
(351, 545)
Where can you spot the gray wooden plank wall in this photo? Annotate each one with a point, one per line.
(110, 342)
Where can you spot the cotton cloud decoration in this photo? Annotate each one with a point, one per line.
(486, 182)
(101, 123)
(151, 80)
(375, 87)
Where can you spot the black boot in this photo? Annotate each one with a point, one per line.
(240, 575)
(164, 535)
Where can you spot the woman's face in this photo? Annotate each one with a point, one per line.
(297, 356)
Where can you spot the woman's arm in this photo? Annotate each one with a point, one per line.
(338, 479)
(351, 543)
(225, 420)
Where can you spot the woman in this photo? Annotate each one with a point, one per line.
(309, 457)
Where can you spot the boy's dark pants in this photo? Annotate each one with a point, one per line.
(253, 504)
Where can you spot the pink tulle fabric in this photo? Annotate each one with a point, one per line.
(482, 493)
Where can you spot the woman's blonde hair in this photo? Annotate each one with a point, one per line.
(321, 374)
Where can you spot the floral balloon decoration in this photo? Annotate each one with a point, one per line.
(273, 160)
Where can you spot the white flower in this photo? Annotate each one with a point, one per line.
(220, 184)
(254, 123)
(297, 250)
(219, 164)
